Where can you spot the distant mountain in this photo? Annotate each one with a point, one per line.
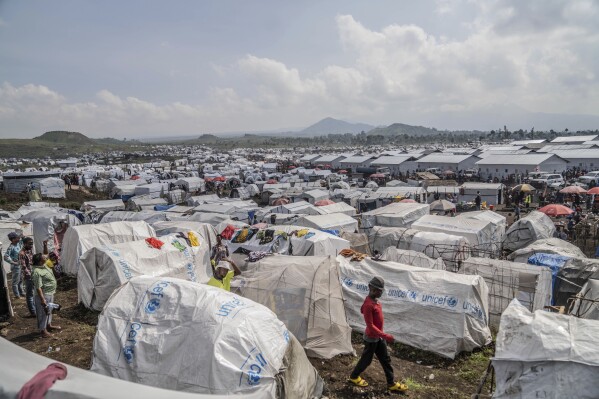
(334, 126)
(74, 138)
(397, 129)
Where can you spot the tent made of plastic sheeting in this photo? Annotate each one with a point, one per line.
(79, 383)
(138, 203)
(357, 241)
(104, 268)
(236, 224)
(123, 191)
(535, 226)
(305, 293)
(574, 273)
(152, 190)
(191, 184)
(393, 215)
(545, 355)
(586, 305)
(339, 207)
(479, 233)
(104, 205)
(52, 187)
(229, 345)
(452, 249)
(203, 217)
(412, 258)
(498, 222)
(203, 199)
(299, 208)
(206, 231)
(44, 224)
(434, 310)
(176, 196)
(416, 193)
(102, 185)
(78, 239)
(121, 216)
(315, 195)
(179, 209)
(335, 221)
(508, 280)
(311, 243)
(548, 246)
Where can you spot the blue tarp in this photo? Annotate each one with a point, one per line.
(552, 261)
(333, 232)
(162, 207)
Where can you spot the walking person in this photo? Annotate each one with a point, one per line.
(26, 264)
(11, 256)
(45, 288)
(477, 200)
(375, 339)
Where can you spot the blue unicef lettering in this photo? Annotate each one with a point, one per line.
(475, 311)
(156, 295)
(131, 342)
(126, 268)
(402, 294)
(440, 300)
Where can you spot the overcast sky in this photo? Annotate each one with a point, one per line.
(155, 68)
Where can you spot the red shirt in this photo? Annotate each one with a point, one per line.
(373, 316)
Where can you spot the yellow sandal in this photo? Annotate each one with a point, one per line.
(398, 387)
(359, 382)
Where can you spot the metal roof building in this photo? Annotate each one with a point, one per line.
(574, 139)
(504, 165)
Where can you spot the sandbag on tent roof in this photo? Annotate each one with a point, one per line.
(339, 207)
(79, 383)
(508, 280)
(544, 354)
(336, 221)
(535, 226)
(147, 216)
(104, 268)
(394, 215)
(498, 222)
(479, 233)
(229, 345)
(305, 293)
(78, 239)
(52, 187)
(434, 310)
(138, 203)
(452, 249)
(548, 246)
(105, 205)
(206, 231)
(312, 243)
(412, 258)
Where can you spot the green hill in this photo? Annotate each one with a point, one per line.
(65, 138)
(397, 129)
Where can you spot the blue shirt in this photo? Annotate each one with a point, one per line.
(12, 253)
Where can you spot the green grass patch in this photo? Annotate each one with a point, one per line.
(412, 384)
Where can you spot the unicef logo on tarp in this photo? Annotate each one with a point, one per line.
(152, 305)
(286, 335)
(348, 281)
(129, 353)
(452, 302)
(253, 378)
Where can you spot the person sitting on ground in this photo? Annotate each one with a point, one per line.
(11, 256)
(223, 274)
(375, 340)
(45, 288)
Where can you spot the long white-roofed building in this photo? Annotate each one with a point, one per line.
(504, 165)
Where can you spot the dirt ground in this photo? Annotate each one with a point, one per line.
(427, 375)
(74, 198)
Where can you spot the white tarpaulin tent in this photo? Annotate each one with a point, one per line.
(52, 187)
(206, 231)
(434, 310)
(535, 226)
(452, 249)
(339, 207)
(105, 205)
(545, 355)
(79, 383)
(147, 216)
(335, 221)
(190, 184)
(78, 239)
(299, 208)
(104, 268)
(586, 305)
(153, 190)
(412, 258)
(479, 233)
(138, 203)
(305, 293)
(498, 222)
(508, 280)
(394, 215)
(547, 246)
(153, 332)
(43, 223)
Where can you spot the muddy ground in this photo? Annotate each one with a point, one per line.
(427, 375)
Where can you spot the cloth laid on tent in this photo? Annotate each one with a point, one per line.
(547, 246)
(78, 239)
(357, 242)
(305, 293)
(79, 383)
(229, 345)
(412, 258)
(535, 226)
(529, 284)
(207, 232)
(434, 310)
(104, 268)
(545, 355)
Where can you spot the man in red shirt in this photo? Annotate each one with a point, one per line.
(375, 340)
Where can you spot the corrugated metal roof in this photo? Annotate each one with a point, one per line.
(392, 160)
(503, 152)
(357, 159)
(515, 159)
(329, 158)
(309, 157)
(588, 153)
(524, 142)
(573, 139)
(445, 158)
(557, 147)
